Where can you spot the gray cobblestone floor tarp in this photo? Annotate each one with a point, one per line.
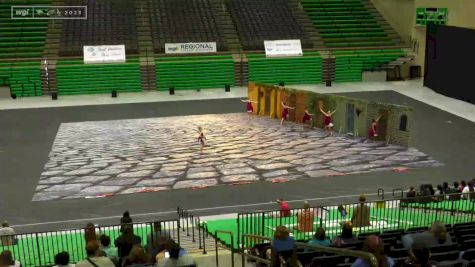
(27, 137)
(91, 159)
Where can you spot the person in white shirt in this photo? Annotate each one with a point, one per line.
(7, 234)
(468, 191)
(62, 260)
(94, 257)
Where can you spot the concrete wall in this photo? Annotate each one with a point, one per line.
(401, 15)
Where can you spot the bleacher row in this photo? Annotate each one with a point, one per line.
(462, 240)
(190, 72)
(341, 23)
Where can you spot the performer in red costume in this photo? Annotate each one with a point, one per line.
(328, 124)
(285, 111)
(307, 118)
(373, 131)
(201, 137)
(249, 107)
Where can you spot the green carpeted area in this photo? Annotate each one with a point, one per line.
(382, 219)
(306, 69)
(74, 77)
(39, 249)
(194, 72)
(22, 77)
(345, 23)
(20, 38)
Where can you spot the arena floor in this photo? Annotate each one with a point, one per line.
(28, 136)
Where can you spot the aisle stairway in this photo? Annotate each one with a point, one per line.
(21, 38)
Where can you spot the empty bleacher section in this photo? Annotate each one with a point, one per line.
(22, 77)
(346, 23)
(296, 70)
(184, 21)
(21, 38)
(76, 78)
(196, 72)
(260, 20)
(108, 23)
(350, 64)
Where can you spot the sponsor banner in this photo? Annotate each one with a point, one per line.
(104, 54)
(190, 48)
(283, 48)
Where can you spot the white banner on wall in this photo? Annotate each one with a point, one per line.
(190, 48)
(283, 48)
(104, 54)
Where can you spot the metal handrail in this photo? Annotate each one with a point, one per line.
(216, 245)
(338, 251)
(243, 250)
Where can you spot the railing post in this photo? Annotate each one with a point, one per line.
(232, 251)
(199, 233)
(38, 248)
(204, 240)
(193, 229)
(216, 247)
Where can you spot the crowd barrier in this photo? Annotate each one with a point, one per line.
(39, 248)
(374, 216)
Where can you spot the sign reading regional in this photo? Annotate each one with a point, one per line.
(283, 48)
(104, 54)
(190, 48)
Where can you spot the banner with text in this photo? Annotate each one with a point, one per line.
(190, 48)
(104, 54)
(283, 48)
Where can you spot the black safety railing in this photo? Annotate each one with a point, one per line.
(39, 248)
(371, 216)
(194, 227)
(231, 236)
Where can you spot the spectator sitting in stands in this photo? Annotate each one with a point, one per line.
(137, 257)
(169, 244)
(436, 236)
(126, 241)
(468, 191)
(94, 257)
(6, 259)
(346, 236)
(319, 238)
(110, 252)
(282, 244)
(62, 260)
(175, 259)
(125, 220)
(445, 188)
(361, 214)
(90, 233)
(462, 185)
(419, 256)
(439, 190)
(374, 245)
(155, 239)
(7, 234)
(283, 208)
(305, 219)
(412, 192)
